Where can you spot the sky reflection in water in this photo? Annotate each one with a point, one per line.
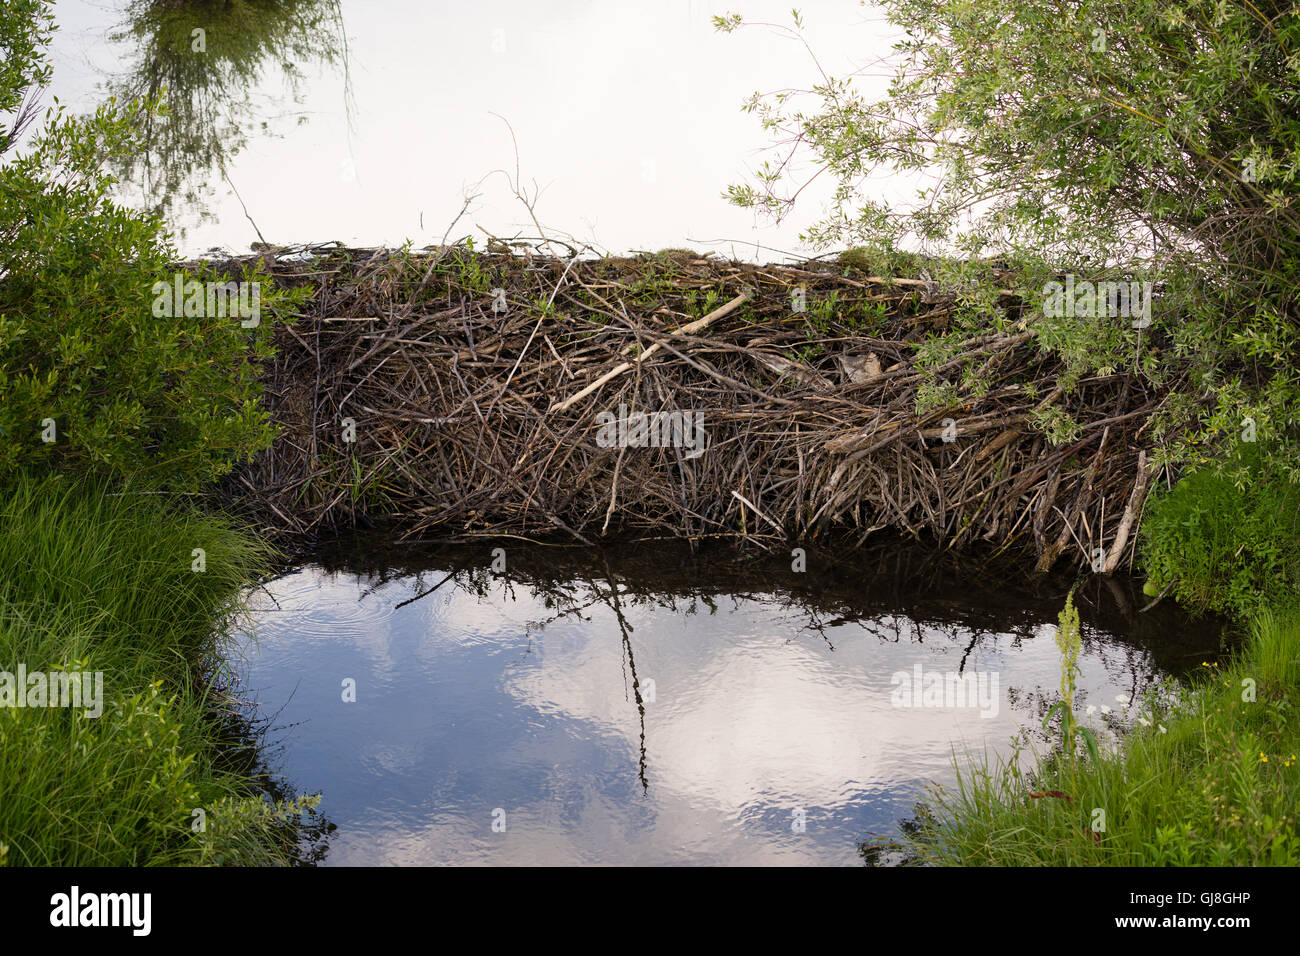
(749, 711)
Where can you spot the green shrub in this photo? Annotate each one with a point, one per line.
(1136, 140)
(212, 83)
(91, 379)
(1227, 547)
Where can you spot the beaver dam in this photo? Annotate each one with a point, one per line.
(462, 393)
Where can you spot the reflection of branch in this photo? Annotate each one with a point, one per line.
(626, 629)
(349, 100)
(211, 99)
(27, 112)
(426, 593)
(975, 639)
(946, 597)
(1121, 599)
(542, 625)
(820, 628)
(226, 177)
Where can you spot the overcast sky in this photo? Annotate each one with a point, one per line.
(628, 116)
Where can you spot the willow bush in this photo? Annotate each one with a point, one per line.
(202, 61)
(1147, 140)
(91, 378)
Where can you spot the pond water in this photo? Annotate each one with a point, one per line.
(650, 706)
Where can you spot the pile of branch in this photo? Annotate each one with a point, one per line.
(457, 392)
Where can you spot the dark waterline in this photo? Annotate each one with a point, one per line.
(716, 708)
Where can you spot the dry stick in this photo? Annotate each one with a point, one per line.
(997, 420)
(563, 365)
(744, 500)
(677, 452)
(1048, 558)
(1069, 528)
(613, 488)
(1130, 512)
(997, 444)
(1056, 458)
(725, 379)
(1030, 508)
(270, 504)
(1045, 505)
(1159, 597)
(620, 369)
(410, 384)
(532, 335)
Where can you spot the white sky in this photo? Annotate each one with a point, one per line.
(627, 115)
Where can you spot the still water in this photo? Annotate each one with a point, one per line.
(647, 706)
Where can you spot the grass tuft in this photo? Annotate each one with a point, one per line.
(97, 579)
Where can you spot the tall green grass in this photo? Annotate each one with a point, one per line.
(1214, 780)
(1220, 788)
(101, 579)
(1226, 544)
